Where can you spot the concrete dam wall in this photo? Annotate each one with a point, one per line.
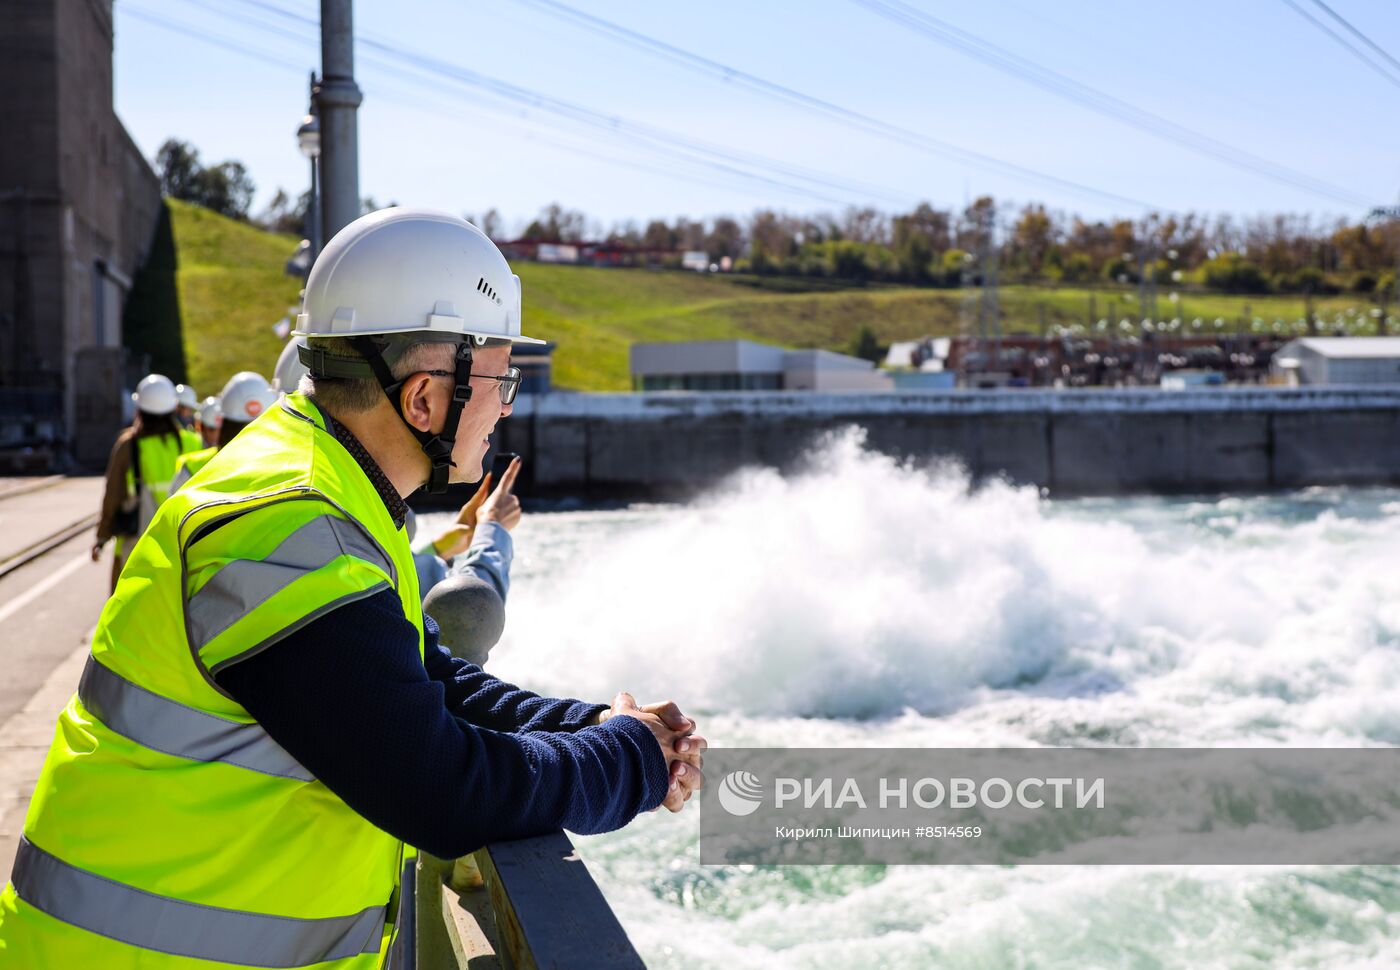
(1089, 442)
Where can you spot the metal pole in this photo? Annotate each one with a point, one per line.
(313, 215)
(313, 208)
(337, 101)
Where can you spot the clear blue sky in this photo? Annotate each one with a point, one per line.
(1249, 73)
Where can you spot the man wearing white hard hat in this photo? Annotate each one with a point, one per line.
(186, 403)
(267, 719)
(245, 396)
(206, 421)
(140, 468)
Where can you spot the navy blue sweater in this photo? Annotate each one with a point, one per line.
(441, 754)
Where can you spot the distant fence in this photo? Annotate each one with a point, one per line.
(1069, 442)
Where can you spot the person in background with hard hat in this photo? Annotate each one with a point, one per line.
(289, 371)
(206, 421)
(267, 720)
(187, 401)
(140, 468)
(246, 395)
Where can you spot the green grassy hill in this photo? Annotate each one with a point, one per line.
(232, 290)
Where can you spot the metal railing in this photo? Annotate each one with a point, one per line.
(517, 906)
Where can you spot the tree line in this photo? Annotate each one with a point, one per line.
(927, 246)
(228, 189)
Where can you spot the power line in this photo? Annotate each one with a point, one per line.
(1358, 34)
(723, 158)
(277, 62)
(668, 150)
(415, 102)
(1360, 54)
(830, 110)
(1054, 82)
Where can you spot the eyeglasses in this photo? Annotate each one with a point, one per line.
(509, 381)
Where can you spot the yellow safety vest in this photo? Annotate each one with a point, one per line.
(189, 463)
(168, 830)
(159, 456)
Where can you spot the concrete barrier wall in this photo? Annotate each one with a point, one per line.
(1069, 442)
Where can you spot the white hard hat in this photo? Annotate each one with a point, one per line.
(186, 396)
(290, 370)
(402, 276)
(155, 394)
(406, 271)
(209, 412)
(246, 395)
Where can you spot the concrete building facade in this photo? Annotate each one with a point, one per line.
(741, 365)
(78, 209)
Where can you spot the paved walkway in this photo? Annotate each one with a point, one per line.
(47, 610)
(29, 517)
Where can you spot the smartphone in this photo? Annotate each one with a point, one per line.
(499, 464)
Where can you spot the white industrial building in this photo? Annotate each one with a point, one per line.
(741, 365)
(1338, 360)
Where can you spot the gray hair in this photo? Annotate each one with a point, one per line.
(361, 394)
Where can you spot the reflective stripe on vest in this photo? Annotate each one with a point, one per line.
(143, 919)
(164, 725)
(241, 586)
(169, 822)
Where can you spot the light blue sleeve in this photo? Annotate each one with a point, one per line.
(431, 571)
(489, 557)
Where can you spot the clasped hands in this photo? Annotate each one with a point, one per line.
(683, 749)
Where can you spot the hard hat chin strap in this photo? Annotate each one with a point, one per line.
(438, 447)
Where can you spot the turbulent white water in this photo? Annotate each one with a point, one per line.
(868, 604)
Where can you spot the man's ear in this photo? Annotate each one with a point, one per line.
(415, 402)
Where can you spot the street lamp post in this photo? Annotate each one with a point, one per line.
(309, 141)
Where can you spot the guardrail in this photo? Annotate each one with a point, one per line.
(525, 905)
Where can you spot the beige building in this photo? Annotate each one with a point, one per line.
(78, 211)
(742, 365)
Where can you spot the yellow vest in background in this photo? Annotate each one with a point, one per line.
(189, 463)
(159, 455)
(168, 830)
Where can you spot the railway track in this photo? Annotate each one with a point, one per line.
(28, 486)
(48, 543)
(45, 520)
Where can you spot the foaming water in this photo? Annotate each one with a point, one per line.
(866, 603)
(865, 589)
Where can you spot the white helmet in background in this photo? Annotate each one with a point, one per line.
(246, 395)
(402, 276)
(186, 397)
(155, 395)
(290, 370)
(209, 412)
